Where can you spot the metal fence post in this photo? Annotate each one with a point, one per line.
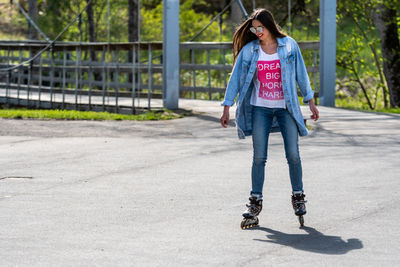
(29, 82)
(40, 81)
(28, 89)
(90, 73)
(327, 62)
(116, 80)
(150, 78)
(171, 54)
(133, 78)
(7, 87)
(224, 53)
(9, 73)
(193, 60)
(315, 77)
(209, 76)
(19, 75)
(139, 71)
(77, 57)
(64, 77)
(51, 77)
(104, 78)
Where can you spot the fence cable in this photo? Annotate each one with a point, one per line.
(201, 31)
(211, 21)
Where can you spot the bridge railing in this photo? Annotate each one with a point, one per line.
(205, 68)
(117, 77)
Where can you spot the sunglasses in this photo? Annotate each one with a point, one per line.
(257, 29)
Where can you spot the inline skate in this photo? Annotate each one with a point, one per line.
(250, 218)
(299, 206)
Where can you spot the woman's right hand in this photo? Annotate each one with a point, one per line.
(225, 117)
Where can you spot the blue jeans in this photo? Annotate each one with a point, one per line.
(262, 122)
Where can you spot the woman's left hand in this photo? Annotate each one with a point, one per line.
(314, 110)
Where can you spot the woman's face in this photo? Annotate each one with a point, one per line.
(259, 30)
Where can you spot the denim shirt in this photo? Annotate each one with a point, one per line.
(241, 82)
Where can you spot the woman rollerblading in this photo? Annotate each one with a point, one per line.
(268, 66)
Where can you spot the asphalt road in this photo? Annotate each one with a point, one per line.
(171, 193)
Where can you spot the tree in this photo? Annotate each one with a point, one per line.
(384, 17)
(92, 27)
(92, 30)
(358, 50)
(33, 13)
(133, 29)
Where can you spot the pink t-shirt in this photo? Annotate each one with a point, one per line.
(267, 90)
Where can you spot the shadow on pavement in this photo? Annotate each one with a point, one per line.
(313, 241)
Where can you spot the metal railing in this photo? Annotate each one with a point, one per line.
(116, 77)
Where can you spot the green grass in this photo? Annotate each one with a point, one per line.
(354, 104)
(358, 104)
(85, 115)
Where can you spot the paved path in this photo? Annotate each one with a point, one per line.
(171, 193)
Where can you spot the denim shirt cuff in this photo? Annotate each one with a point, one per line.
(227, 103)
(308, 97)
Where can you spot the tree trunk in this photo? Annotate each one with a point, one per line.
(133, 30)
(33, 13)
(384, 17)
(92, 27)
(92, 36)
(133, 34)
(91, 24)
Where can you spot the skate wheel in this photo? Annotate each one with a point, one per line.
(249, 223)
(242, 224)
(301, 220)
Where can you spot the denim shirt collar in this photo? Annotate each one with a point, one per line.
(281, 42)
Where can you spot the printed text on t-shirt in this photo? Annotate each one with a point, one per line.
(269, 75)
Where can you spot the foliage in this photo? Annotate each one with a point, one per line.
(55, 15)
(358, 51)
(190, 23)
(12, 24)
(359, 58)
(359, 104)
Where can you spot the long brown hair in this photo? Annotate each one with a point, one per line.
(243, 35)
